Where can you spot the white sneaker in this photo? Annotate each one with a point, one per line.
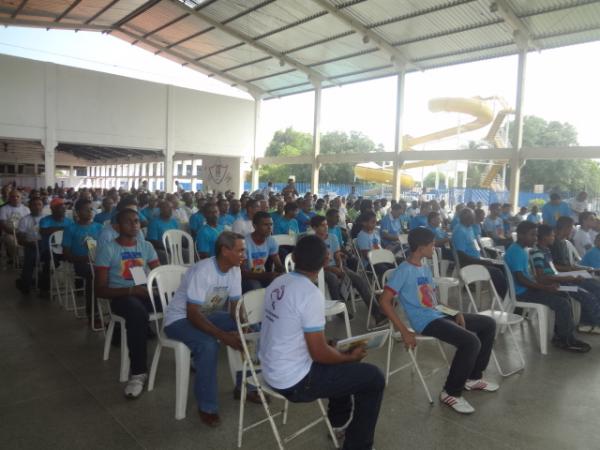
(135, 385)
(458, 404)
(481, 385)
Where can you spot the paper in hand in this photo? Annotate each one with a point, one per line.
(139, 275)
(567, 289)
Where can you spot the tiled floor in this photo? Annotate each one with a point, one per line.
(57, 393)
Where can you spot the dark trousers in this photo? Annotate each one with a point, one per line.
(84, 271)
(30, 254)
(589, 301)
(135, 311)
(338, 383)
(473, 344)
(558, 303)
(251, 285)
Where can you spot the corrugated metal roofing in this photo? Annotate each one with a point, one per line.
(280, 47)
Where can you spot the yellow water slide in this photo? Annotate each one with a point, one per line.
(476, 107)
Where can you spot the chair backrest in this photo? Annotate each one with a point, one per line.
(91, 245)
(289, 263)
(486, 242)
(478, 273)
(167, 280)
(322, 285)
(574, 256)
(55, 242)
(381, 255)
(173, 243)
(436, 257)
(387, 274)
(285, 239)
(509, 306)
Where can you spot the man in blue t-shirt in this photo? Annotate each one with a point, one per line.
(420, 220)
(528, 289)
(305, 214)
(392, 227)
(225, 219)
(467, 249)
(75, 250)
(287, 223)
(157, 227)
(554, 209)
(115, 281)
(471, 334)
(592, 256)
(107, 211)
(261, 249)
(493, 226)
(209, 233)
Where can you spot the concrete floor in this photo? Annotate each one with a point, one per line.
(57, 393)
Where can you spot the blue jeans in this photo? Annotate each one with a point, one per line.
(205, 352)
(338, 383)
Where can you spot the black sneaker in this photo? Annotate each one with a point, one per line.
(571, 345)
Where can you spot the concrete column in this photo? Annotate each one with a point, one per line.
(50, 109)
(316, 139)
(398, 139)
(515, 161)
(169, 151)
(255, 167)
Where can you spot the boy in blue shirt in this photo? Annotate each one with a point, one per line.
(441, 239)
(534, 215)
(420, 220)
(165, 221)
(225, 219)
(260, 247)
(528, 289)
(493, 226)
(471, 334)
(305, 214)
(392, 228)
(75, 250)
(554, 209)
(287, 223)
(107, 211)
(209, 233)
(592, 256)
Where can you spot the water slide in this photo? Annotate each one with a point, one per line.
(477, 107)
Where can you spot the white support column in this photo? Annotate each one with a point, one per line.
(316, 139)
(255, 167)
(398, 138)
(515, 161)
(169, 150)
(50, 142)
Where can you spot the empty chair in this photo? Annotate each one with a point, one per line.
(179, 253)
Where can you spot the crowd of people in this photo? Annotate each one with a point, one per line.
(236, 253)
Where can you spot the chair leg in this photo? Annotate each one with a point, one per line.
(182, 380)
(389, 357)
(108, 339)
(416, 366)
(124, 375)
(270, 417)
(543, 328)
(242, 409)
(286, 405)
(327, 423)
(154, 365)
(347, 321)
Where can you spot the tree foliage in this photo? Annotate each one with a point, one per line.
(429, 181)
(290, 142)
(560, 175)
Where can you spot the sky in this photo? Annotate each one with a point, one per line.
(561, 84)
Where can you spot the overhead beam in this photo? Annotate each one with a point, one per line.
(53, 25)
(19, 9)
(102, 11)
(68, 10)
(397, 57)
(312, 74)
(207, 69)
(592, 152)
(136, 12)
(305, 159)
(521, 33)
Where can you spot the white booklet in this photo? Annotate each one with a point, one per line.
(567, 289)
(575, 273)
(445, 310)
(373, 340)
(139, 275)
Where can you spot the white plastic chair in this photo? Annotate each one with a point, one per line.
(285, 239)
(443, 283)
(544, 314)
(476, 273)
(253, 304)
(574, 257)
(167, 280)
(396, 335)
(92, 247)
(378, 256)
(173, 243)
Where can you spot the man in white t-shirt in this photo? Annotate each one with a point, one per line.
(298, 362)
(196, 317)
(28, 235)
(578, 205)
(585, 235)
(243, 225)
(10, 215)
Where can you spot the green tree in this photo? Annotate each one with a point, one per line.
(562, 175)
(429, 181)
(290, 142)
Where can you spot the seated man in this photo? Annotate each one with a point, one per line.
(107, 211)
(114, 281)
(560, 251)
(493, 226)
(528, 289)
(225, 219)
(157, 227)
(305, 214)
(463, 241)
(298, 362)
(586, 295)
(584, 236)
(534, 215)
(244, 225)
(392, 227)
(554, 209)
(420, 220)
(10, 215)
(592, 256)
(367, 240)
(287, 223)
(28, 235)
(333, 225)
(197, 219)
(441, 239)
(209, 232)
(196, 317)
(335, 272)
(260, 246)
(471, 334)
(110, 231)
(75, 249)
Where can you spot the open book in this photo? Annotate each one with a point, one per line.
(373, 340)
